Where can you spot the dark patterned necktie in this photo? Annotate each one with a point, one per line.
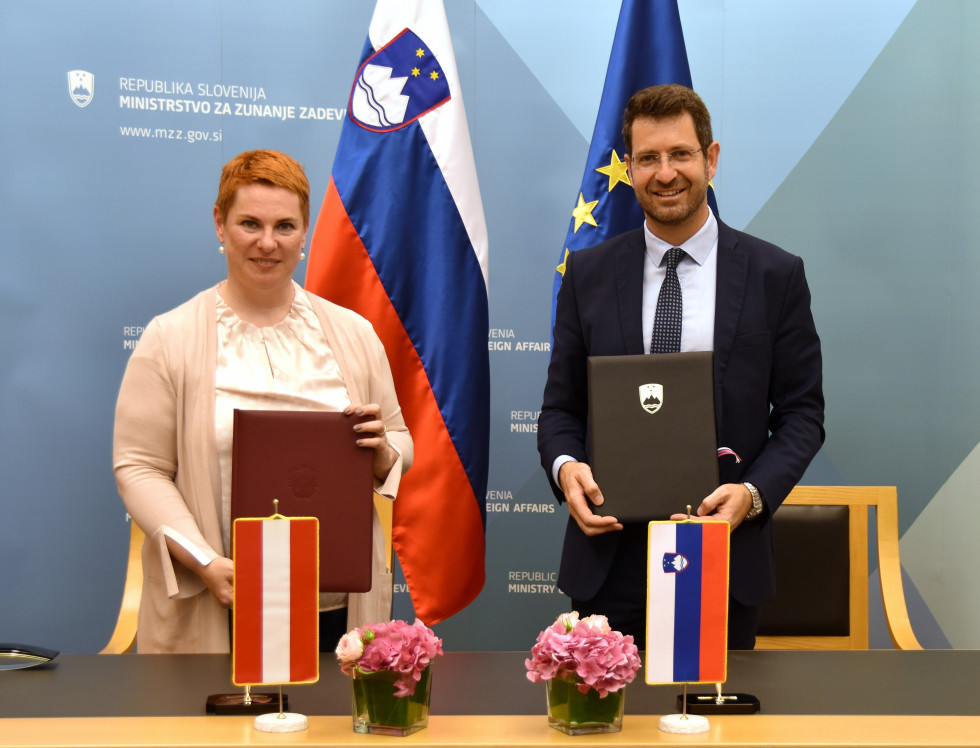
(667, 320)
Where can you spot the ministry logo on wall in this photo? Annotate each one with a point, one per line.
(81, 87)
(397, 84)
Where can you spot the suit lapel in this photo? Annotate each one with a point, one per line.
(733, 266)
(629, 291)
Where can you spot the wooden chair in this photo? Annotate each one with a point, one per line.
(385, 510)
(822, 570)
(123, 639)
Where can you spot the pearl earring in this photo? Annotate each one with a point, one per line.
(221, 249)
(302, 255)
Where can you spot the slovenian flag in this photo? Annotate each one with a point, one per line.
(401, 239)
(276, 601)
(687, 602)
(648, 49)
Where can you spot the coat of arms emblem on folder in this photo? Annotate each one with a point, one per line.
(651, 397)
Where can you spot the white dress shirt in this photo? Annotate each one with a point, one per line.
(697, 272)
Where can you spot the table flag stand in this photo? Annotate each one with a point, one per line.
(687, 611)
(283, 721)
(275, 615)
(245, 702)
(684, 723)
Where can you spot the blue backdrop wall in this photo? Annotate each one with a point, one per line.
(848, 137)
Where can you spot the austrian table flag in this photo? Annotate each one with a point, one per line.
(276, 618)
(687, 602)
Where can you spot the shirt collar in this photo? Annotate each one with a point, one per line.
(699, 246)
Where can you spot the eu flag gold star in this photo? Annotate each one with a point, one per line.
(583, 213)
(434, 75)
(616, 171)
(416, 72)
(420, 52)
(561, 268)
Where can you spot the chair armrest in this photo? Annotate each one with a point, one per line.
(123, 639)
(890, 571)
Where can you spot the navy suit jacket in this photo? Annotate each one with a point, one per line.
(767, 386)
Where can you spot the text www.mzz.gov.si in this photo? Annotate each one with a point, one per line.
(164, 133)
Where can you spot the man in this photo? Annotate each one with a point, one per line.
(741, 297)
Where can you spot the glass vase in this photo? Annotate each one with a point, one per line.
(577, 713)
(378, 710)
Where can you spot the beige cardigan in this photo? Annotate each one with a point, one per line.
(166, 463)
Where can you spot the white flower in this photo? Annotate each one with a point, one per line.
(568, 620)
(350, 647)
(597, 623)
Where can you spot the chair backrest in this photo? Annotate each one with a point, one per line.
(821, 535)
(385, 509)
(123, 639)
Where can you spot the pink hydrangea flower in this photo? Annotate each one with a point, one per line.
(585, 651)
(395, 646)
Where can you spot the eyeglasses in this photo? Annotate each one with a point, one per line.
(675, 158)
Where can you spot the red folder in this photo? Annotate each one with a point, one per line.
(309, 461)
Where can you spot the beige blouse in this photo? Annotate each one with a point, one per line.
(288, 366)
(165, 418)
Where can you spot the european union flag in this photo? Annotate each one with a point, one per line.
(648, 50)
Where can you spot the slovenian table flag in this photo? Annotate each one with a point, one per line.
(401, 239)
(276, 601)
(687, 602)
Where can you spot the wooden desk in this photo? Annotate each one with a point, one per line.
(876, 698)
(448, 730)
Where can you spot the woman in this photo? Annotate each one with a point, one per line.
(256, 340)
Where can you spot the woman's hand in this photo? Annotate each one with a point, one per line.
(372, 435)
(219, 577)
(218, 574)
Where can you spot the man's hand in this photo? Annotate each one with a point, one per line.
(730, 502)
(576, 482)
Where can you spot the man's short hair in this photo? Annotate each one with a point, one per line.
(669, 100)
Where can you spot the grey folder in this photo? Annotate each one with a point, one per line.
(652, 430)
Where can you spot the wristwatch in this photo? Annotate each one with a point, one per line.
(756, 509)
